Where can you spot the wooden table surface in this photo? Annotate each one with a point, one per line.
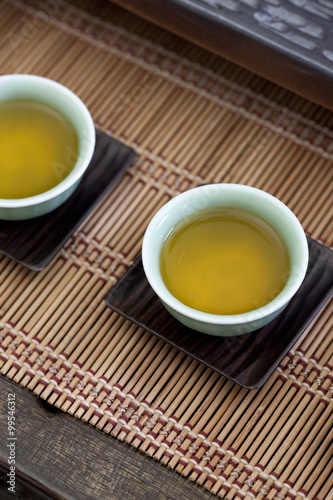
(87, 465)
(192, 118)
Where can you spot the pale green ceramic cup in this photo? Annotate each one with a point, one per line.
(225, 195)
(66, 102)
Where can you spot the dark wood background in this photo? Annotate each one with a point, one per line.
(60, 457)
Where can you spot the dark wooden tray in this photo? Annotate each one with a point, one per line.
(287, 42)
(35, 242)
(248, 360)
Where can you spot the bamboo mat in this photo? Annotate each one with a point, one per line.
(192, 118)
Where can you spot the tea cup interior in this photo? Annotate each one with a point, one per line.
(258, 202)
(69, 105)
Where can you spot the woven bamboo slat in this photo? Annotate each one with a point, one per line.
(192, 118)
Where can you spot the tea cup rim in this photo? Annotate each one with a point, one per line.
(152, 272)
(83, 159)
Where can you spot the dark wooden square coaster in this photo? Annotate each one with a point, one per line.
(248, 360)
(35, 242)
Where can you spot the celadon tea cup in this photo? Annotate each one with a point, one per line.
(220, 196)
(69, 105)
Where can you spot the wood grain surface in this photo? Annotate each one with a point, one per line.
(58, 457)
(191, 118)
(289, 43)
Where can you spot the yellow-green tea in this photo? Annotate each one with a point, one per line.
(224, 261)
(38, 148)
